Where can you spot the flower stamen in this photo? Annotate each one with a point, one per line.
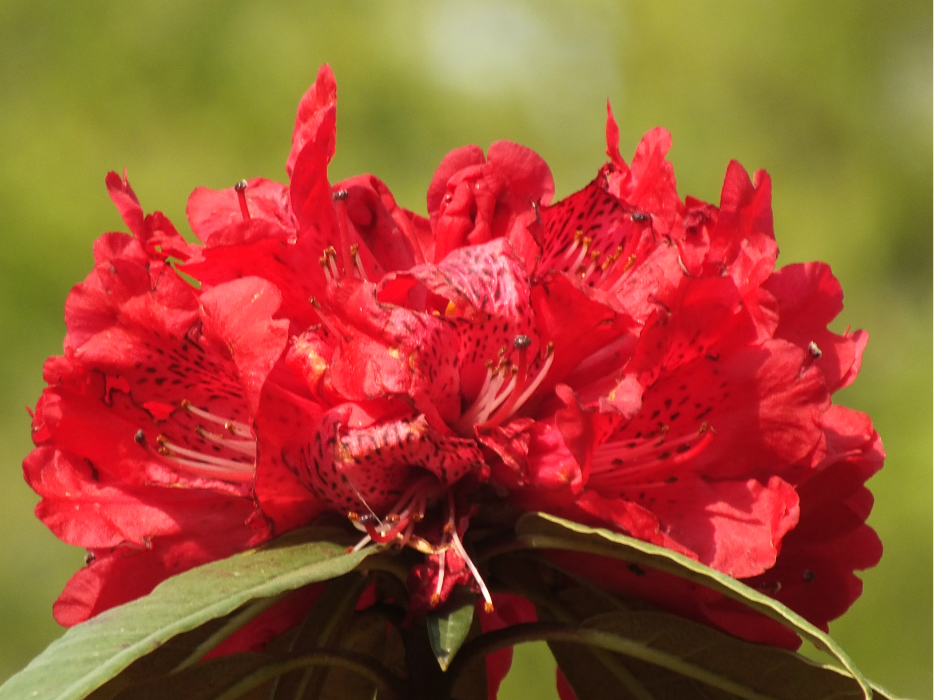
(506, 387)
(239, 441)
(236, 428)
(439, 584)
(484, 591)
(244, 447)
(205, 465)
(240, 189)
(328, 263)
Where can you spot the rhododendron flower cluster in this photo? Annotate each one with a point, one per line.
(621, 357)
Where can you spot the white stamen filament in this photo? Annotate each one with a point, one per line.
(585, 275)
(530, 389)
(244, 447)
(494, 395)
(332, 263)
(487, 408)
(236, 428)
(578, 235)
(226, 472)
(439, 585)
(459, 548)
(583, 254)
(491, 386)
(357, 261)
(174, 451)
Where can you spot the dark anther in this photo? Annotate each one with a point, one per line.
(89, 557)
(340, 194)
(140, 436)
(521, 342)
(638, 216)
(240, 186)
(808, 575)
(636, 569)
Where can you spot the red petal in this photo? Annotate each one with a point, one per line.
(124, 574)
(385, 233)
(743, 240)
(127, 203)
(312, 112)
(155, 232)
(238, 315)
(455, 161)
(733, 526)
(369, 468)
(612, 140)
(284, 424)
(529, 176)
(809, 298)
(387, 350)
(214, 213)
(472, 202)
(488, 299)
(309, 191)
(814, 573)
(701, 365)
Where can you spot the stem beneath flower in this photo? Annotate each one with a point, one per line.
(321, 629)
(556, 611)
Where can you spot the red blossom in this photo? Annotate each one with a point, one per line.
(621, 358)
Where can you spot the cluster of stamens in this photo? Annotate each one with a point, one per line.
(234, 436)
(398, 529)
(332, 272)
(508, 385)
(584, 261)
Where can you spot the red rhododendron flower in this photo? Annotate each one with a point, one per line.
(621, 358)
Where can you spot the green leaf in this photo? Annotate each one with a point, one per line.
(202, 681)
(449, 626)
(168, 658)
(675, 658)
(543, 531)
(90, 654)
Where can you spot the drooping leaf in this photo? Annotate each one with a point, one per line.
(543, 531)
(589, 676)
(449, 626)
(736, 668)
(202, 681)
(168, 658)
(90, 654)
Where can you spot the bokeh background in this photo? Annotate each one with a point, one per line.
(832, 98)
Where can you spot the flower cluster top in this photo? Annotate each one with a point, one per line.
(622, 358)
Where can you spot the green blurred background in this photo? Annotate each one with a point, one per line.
(832, 98)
